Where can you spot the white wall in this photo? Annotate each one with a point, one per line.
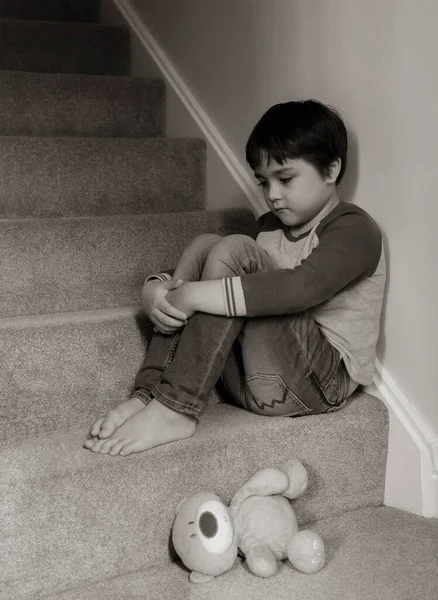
(376, 62)
(222, 191)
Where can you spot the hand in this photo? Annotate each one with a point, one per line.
(182, 298)
(166, 318)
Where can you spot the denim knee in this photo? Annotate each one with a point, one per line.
(227, 255)
(232, 255)
(203, 242)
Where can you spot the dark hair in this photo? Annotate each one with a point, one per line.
(305, 129)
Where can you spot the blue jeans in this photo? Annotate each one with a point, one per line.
(278, 365)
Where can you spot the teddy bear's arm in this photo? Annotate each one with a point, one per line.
(196, 577)
(259, 557)
(265, 482)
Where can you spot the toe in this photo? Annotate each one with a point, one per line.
(116, 448)
(108, 444)
(109, 425)
(97, 445)
(94, 431)
(128, 448)
(89, 442)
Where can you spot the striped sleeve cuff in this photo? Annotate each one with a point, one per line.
(234, 298)
(159, 276)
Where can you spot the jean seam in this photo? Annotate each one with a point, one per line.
(312, 373)
(207, 371)
(334, 372)
(175, 405)
(172, 350)
(266, 376)
(303, 353)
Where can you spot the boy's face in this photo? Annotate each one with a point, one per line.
(295, 191)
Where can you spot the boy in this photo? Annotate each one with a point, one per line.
(288, 321)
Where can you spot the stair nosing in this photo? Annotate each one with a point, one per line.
(123, 216)
(38, 320)
(78, 24)
(148, 78)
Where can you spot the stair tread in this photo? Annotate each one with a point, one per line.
(86, 176)
(371, 553)
(51, 104)
(69, 503)
(52, 47)
(96, 262)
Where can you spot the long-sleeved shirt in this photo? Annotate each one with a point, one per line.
(336, 271)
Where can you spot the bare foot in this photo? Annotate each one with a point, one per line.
(105, 426)
(153, 426)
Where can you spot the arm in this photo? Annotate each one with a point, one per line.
(163, 315)
(349, 250)
(206, 296)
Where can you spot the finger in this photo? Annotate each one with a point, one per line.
(164, 331)
(177, 316)
(173, 285)
(167, 329)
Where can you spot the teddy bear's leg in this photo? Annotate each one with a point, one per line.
(259, 557)
(298, 478)
(306, 551)
(266, 482)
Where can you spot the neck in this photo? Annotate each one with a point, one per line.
(328, 207)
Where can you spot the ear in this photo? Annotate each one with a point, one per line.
(196, 577)
(177, 509)
(333, 171)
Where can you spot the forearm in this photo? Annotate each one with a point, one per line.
(216, 297)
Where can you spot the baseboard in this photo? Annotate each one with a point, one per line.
(424, 466)
(210, 131)
(421, 466)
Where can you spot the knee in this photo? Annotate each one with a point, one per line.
(202, 244)
(227, 256)
(234, 244)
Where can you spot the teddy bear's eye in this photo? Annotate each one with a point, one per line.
(215, 527)
(208, 524)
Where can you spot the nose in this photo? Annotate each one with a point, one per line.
(273, 192)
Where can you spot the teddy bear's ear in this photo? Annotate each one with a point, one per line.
(196, 577)
(177, 509)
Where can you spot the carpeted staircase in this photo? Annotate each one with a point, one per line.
(92, 199)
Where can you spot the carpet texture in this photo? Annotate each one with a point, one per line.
(62, 265)
(85, 517)
(60, 371)
(93, 199)
(52, 104)
(48, 47)
(78, 176)
(372, 554)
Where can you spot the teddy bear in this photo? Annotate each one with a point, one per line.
(259, 524)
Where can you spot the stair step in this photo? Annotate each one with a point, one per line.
(62, 47)
(371, 553)
(66, 370)
(76, 176)
(72, 517)
(51, 10)
(65, 265)
(51, 104)
(63, 370)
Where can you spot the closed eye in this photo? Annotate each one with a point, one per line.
(285, 181)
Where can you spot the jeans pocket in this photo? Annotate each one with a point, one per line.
(269, 395)
(334, 393)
